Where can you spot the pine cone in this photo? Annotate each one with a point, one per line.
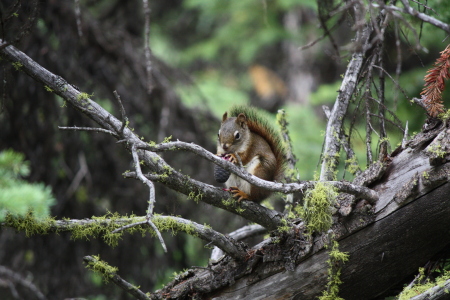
(220, 174)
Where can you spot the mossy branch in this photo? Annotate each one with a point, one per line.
(107, 225)
(110, 273)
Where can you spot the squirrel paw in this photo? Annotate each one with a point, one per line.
(231, 158)
(238, 194)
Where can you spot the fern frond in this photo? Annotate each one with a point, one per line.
(435, 84)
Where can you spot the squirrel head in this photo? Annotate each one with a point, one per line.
(234, 133)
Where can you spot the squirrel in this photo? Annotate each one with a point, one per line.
(248, 138)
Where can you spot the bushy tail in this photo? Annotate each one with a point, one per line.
(258, 124)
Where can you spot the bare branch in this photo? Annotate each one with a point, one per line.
(148, 59)
(17, 278)
(75, 128)
(78, 17)
(405, 136)
(151, 201)
(334, 125)
(411, 11)
(128, 226)
(122, 111)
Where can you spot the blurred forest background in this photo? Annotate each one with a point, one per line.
(206, 56)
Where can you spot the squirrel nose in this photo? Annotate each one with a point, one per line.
(225, 147)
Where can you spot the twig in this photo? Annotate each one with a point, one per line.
(395, 82)
(425, 6)
(122, 112)
(129, 226)
(78, 17)
(148, 60)
(424, 17)
(75, 128)
(82, 173)
(119, 281)
(405, 136)
(312, 43)
(151, 200)
(381, 107)
(389, 121)
(409, 10)
(16, 277)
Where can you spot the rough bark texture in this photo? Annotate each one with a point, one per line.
(406, 227)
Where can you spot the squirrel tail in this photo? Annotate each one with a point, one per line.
(258, 124)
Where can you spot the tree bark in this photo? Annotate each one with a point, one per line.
(407, 226)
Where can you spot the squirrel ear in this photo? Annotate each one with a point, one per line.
(225, 116)
(241, 120)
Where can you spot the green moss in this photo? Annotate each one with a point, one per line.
(29, 224)
(167, 170)
(228, 202)
(352, 165)
(411, 291)
(437, 150)
(103, 226)
(102, 268)
(285, 227)
(48, 89)
(83, 96)
(17, 65)
(291, 175)
(240, 209)
(336, 259)
(317, 208)
(195, 196)
(445, 115)
(167, 139)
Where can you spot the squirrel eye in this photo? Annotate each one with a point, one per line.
(237, 135)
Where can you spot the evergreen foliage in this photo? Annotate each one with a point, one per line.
(17, 196)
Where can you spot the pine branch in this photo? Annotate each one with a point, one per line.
(435, 84)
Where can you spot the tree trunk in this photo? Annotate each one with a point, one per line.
(407, 226)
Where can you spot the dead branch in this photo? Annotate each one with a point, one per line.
(19, 279)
